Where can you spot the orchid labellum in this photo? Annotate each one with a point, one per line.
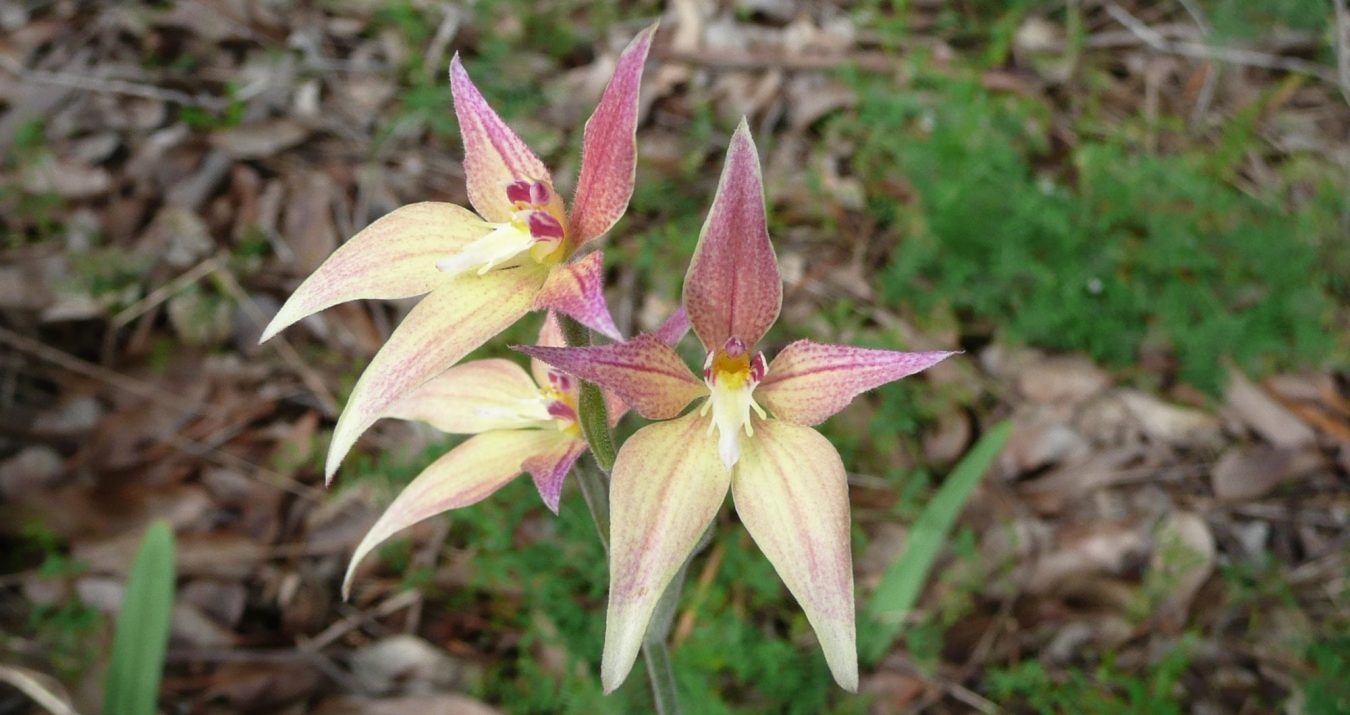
(481, 272)
(752, 434)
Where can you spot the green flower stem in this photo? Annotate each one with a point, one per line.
(594, 482)
(591, 410)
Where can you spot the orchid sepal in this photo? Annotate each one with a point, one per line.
(394, 257)
(808, 382)
(609, 146)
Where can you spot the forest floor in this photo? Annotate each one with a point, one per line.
(1132, 216)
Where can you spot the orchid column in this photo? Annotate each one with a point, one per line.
(752, 434)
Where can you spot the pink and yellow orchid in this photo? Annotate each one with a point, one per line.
(752, 435)
(482, 272)
(520, 422)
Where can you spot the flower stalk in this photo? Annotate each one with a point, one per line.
(594, 481)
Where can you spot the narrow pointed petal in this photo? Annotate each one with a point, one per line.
(642, 372)
(809, 381)
(494, 156)
(733, 288)
(791, 493)
(465, 475)
(577, 289)
(550, 469)
(452, 320)
(674, 329)
(609, 147)
(667, 486)
(550, 335)
(394, 257)
(474, 397)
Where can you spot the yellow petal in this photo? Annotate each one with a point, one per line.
(791, 493)
(465, 475)
(667, 486)
(451, 321)
(395, 257)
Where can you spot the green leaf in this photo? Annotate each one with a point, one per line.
(142, 632)
(900, 585)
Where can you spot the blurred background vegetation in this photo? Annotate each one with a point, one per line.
(1132, 215)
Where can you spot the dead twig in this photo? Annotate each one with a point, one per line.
(1343, 45)
(287, 351)
(163, 398)
(741, 60)
(30, 683)
(108, 85)
(1231, 55)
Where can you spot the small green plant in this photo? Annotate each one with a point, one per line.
(1105, 690)
(142, 632)
(900, 585)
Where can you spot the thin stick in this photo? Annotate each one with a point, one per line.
(1231, 55)
(1343, 45)
(108, 85)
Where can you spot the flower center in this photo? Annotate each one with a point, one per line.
(535, 231)
(561, 396)
(731, 374)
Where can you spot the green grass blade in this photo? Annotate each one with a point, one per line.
(903, 580)
(142, 632)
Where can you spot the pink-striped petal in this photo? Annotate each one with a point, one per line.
(550, 469)
(809, 381)
(667, 486)
(465, 475)
(642, 372)
(494, 156)
(674, 329)
(609, 147)
(733, 288)
(577, 289)
(394, 257)
(451, 321)
(791, 493)
(474, 397)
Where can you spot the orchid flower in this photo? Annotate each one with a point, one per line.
(482, 272)
(752, 435)
(520, 422)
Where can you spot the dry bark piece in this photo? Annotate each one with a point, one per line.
(1264, 415)
(1250, 472)
(407, 664)
(440, 703)
(260, 139)
(1064, 379)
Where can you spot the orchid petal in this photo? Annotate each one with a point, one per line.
(609, 147)
(451, 321)
(674, 329)
(474, 397)
(577, 289)
(809, 381)
(733, 288)
(642, 372)
(550, 469)
(550, 335)
(667, 486)
(465, 475)
(494, 156)
(791, 492)
(394, 257)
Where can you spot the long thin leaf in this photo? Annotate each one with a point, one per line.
(900, 585)
(142, 632)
